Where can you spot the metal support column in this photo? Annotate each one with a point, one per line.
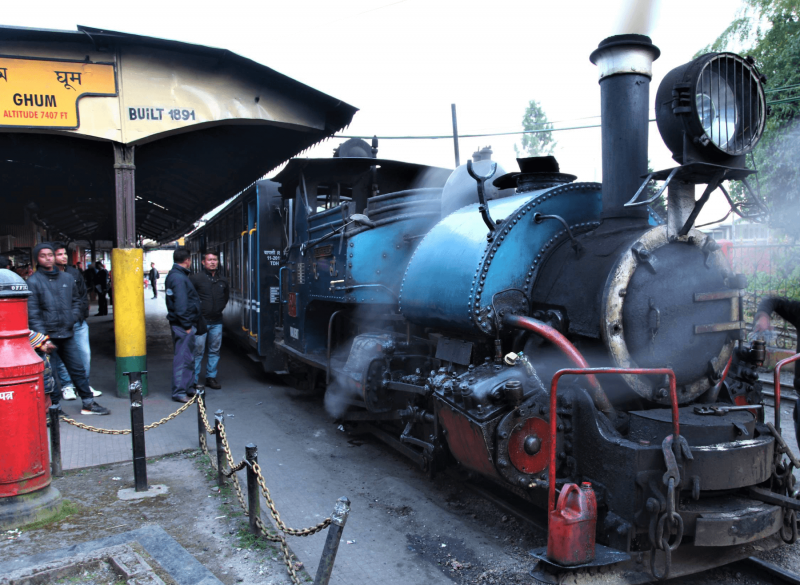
(680, 203)
(455, 135)
(253, 502)
(340, 512)
(137, 431)
(54, 412)
(219, 415)
(128, 266)
(201, 427)
(125, 195)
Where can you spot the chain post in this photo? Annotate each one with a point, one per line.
(340, 512)
(253, 501)
(201, 427)
(137, 430)
(55, 441)
(218, 417)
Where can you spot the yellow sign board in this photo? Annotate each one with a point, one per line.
(38, 93)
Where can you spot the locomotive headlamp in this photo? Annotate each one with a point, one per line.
(711, 109)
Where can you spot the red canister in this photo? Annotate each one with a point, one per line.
(571, 526)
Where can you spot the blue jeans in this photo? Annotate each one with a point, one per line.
(70, 354)
(81, 336)
(214, 339)
(182, 371)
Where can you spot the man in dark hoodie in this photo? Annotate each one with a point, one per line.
(183, 314)
(81, 329)
(53, 309)
(212, 288)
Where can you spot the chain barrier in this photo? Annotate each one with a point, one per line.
(233, 470)
(201, 404)
(265, 530)
(149, 427)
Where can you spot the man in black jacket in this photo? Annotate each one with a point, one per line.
(153, 276)
(214, 292)
(183, 314)
(81, 329)
(101, 286)
(53, 309)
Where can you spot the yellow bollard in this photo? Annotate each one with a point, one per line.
(129, 324)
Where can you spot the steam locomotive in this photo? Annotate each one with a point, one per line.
(455, 315)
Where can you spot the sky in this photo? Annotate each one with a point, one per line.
(404, 62)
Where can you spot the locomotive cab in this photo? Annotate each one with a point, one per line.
(350, 221)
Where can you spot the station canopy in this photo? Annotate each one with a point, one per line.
(203, 124)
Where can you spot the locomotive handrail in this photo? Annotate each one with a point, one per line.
(777, 381)
(673, 395)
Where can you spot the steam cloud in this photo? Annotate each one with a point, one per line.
(636, 17)
(338, 397)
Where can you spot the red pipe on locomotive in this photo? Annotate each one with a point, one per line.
(555, 337)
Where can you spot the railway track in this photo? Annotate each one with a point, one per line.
(769, 572)
(787, 392)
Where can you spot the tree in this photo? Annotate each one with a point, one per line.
(769, 31)
(537, 143)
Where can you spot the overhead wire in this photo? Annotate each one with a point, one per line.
(450, 136)
(540, 130)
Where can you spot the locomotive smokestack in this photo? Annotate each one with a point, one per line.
(625, 64)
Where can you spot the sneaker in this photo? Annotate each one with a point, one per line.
(68, 392)
(95, 392)
(212, 383)
(94, 408)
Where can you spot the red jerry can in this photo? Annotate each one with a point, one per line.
(571, 526)
(24, 448)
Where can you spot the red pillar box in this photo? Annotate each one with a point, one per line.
(25, 491)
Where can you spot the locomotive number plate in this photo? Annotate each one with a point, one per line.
(323, 251)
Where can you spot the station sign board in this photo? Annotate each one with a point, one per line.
(42, 93)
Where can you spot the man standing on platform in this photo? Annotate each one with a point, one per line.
(153, 276)
(214, 292)
(53, 309)
(101, 286)
(80, 330)
(183, 314)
